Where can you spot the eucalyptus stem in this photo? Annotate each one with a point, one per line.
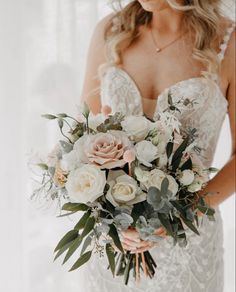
(68, 124)
(65, 136)
(73, 119)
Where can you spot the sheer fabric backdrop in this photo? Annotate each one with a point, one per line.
(43, 48)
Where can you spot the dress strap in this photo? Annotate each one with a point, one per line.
(225, 41)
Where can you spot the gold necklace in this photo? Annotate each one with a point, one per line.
(158, 49)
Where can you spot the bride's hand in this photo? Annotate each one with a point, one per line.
(131, 241)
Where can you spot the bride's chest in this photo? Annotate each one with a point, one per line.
(153, 72)
(190, 96)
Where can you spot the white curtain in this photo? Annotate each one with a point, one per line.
(43, 48)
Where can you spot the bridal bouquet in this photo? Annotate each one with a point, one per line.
(124, 172)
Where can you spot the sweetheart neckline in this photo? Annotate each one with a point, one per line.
(128, 76)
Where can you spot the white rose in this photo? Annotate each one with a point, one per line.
(186, 177)
(70, 161)
(86, 184)
(146, 152)
(155, 179)
(136, 127)
(123, 189)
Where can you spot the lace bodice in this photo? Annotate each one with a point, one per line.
(204, 110)
(199, 267)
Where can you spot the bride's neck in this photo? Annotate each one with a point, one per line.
(167, 20)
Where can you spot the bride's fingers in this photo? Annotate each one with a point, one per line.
(135, 244)
(161, 232)
(125, 247)
(128, 247)
(143, 249)
(131, 234)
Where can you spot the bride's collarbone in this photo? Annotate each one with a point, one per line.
(152, 76)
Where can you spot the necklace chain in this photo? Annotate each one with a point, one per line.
(159, 49)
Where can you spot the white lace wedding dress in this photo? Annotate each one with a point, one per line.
(199, 266)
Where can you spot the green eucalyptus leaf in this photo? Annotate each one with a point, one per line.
(111, 257)
(164, 186)
(115, 236)
(73, 248)
(127, 269)
(213, 169)
(83, 220)
(63, 249)
(62, 115)
(176, 159)
(70, 236)
(66, 147)
(60, 123)
(187, 165)
(81, 261)
(190, 225)
(206, 210)
(43, 166)
(87, 229)
(66, 215)
(169, 149)
(49, 117)
(154, 198)
(165, 221)
(90, 223)
(179, 208)
(87, 242)
(75, 207)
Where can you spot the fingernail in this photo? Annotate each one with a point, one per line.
(137, 240)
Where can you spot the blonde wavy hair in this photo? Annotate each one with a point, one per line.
(202, 17)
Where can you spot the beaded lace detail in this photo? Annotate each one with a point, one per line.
(199, 266)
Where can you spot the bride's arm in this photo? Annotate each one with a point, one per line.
(224, 182)
(95, 57)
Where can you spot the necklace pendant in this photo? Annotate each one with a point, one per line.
(158, 50)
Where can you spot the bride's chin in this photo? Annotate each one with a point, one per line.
(153, 5)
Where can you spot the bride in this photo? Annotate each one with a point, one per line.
(137, 55)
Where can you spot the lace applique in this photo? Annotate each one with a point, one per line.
(225, 42)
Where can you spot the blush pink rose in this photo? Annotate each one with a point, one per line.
(104, 149)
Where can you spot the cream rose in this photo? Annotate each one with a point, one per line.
(86, 184)
(71, 161)
(136, 127)
(103, 149)
(146, 152)
(155, 179)
(196, 185)
(123, 190)
(186, 177)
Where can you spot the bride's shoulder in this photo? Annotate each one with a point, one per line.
(226, 26)
(228, 38)
(103, 25)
